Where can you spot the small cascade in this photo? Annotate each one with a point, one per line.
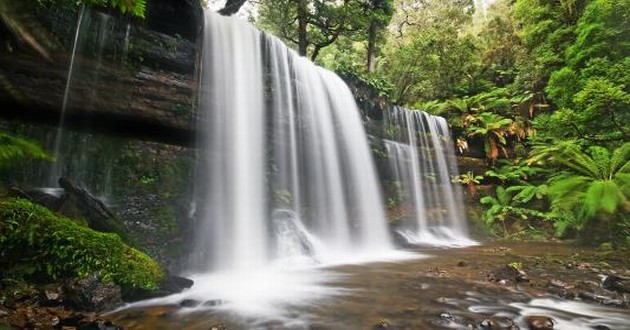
(284, 153)
(422, 163)
(76, 154)
(293, 242)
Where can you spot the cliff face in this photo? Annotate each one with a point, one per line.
(129, 78)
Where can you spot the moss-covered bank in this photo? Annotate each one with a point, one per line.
(37, 245)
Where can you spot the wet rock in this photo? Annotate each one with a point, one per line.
(536, 322)
(218, 326)
(601, 299)
(51, 296)
(496, 323)
(449, 320)
(507, 274)
(386, 324)
(89, 294)
(176, 284)
(79, 203)
(171, 285)
(617, 283)
(189, 303)
(212, 303)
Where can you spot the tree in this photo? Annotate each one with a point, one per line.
(428, 56)
(312, 25)
(231, 7)
(591, 89)
(380, 14)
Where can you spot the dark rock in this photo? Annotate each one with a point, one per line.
(89, 294)
(449, 320)
(285, 227)
(176, 284)
(385, 324)
(504, 323)
(507, 274)
(214, 302)
(601, 299)
(400, 241)
(48, 197)
(51, 296)
(497, 323)
(462, 263)
(77, 199)
(189, 303)
(171, 285)
(536, 322)
(617, 283)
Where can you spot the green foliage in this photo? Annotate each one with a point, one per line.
(518, 171)
(133, 7)
(588, 184)
(378, 83)
(35, 243)
(493, 130)
(591, 89)
(470, 180)
(505, 208)
(14, 148)
(312, 25)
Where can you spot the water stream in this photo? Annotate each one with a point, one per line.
(422, 163)
(291, 232)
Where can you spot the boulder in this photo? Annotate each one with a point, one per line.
(170, 285)
(90, 294)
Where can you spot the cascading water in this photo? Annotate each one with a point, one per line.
(285, 183)
(281, 133)
(75, 154)
(422, 162)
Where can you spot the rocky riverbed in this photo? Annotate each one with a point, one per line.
(530, 285)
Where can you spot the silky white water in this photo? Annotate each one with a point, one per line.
(422, 163)
(286, 183)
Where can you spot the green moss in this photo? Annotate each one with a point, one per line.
(36, 243)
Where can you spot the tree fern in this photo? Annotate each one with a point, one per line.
(588, 183)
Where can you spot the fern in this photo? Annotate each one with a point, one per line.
(13, 148)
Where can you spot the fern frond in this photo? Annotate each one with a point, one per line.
(620, 159)
(602, 195)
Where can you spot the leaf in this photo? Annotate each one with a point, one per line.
(602, 195)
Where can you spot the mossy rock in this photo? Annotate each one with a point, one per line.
(39, 245)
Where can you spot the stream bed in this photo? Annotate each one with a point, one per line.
(440, 289)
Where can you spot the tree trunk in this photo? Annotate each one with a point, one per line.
(302, 16)
(371, 48)
(231, 7)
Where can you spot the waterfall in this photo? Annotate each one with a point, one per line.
(77, 155)
(279, 135)
(422, 163)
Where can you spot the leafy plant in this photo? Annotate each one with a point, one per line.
(504, 208)
(13, 148)
(36, 243)
(493, 129)
(589, 183)
(512, 171)
(470, 180)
